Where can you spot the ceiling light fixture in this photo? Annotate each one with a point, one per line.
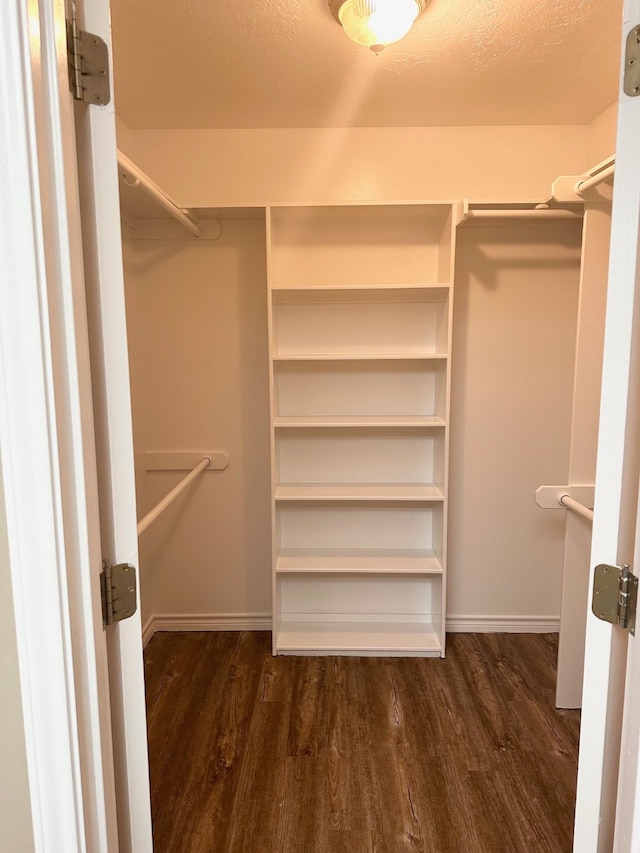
(376, 23)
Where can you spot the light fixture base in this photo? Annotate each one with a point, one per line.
(336, 5)
(375, 9)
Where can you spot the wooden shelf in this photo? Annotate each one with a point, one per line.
(351, 356)
(358, 492)
(328, 287)
(358, 422)
(397, 638)
(370, 561)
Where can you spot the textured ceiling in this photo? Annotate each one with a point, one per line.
(286, 63)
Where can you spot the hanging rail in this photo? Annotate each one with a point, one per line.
(596, 176)
(576, 507)
(135, 177)
(160, 507)
(520, 213)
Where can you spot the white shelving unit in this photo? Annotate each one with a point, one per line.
(360, 305)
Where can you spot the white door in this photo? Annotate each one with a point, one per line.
(102, 246)
(616, 500)
(82, 687)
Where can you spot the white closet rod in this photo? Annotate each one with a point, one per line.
(595, 178)
(577, 507)
(515, 213)
(159, 508)
(135, 177)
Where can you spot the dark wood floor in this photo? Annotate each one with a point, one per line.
(254, 754)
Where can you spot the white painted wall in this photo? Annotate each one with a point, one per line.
(602, 135)
(16, 832)
(512, 380)
(209, 555)
(136, 309)
(269, 166)
(197, 320)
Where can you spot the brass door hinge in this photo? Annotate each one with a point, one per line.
(631, 82)
(615, 596)
(88, 62)
(119, 599)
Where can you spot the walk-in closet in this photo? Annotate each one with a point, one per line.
(377, 314)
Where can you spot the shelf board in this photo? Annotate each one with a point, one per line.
(311, 288)
(357, 492)
(357, 421)
(397, 638)
(372, 561)
(350, 356)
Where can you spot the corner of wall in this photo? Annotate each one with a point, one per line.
(602, 135)
(124, 136)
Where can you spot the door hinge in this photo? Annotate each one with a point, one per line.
(631, 83)
(615, 596)
(88, 62)
(118, 585)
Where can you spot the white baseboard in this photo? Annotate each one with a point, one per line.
(205, 622)
(147, 631)
(503, 624)
(262, 622)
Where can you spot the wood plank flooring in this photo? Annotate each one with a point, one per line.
(255, 754)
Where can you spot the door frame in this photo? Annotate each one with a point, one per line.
(616, 492)
(80, 684)
(46, 443)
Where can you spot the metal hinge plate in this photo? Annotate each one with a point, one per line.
(631, 83)
(615, 596)
(118, 585)
(88, 60)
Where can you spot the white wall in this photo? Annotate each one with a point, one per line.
(197, 321)
(512, 380)
(210, 554)
(136, 310)
(16, 832)
(602, 135)
(203, 168)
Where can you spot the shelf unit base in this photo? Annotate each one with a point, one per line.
(303, 636)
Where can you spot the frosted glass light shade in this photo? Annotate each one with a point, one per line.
(377, 23)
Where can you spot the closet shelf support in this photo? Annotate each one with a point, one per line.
(571, 189)
(578, 499)
(588, 183)
(135, 177)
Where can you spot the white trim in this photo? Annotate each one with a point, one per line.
(503, 624)
(102, 249)
(206, 622)
(262, 622)
(148, 631)
(41, 428)
(615, 504)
